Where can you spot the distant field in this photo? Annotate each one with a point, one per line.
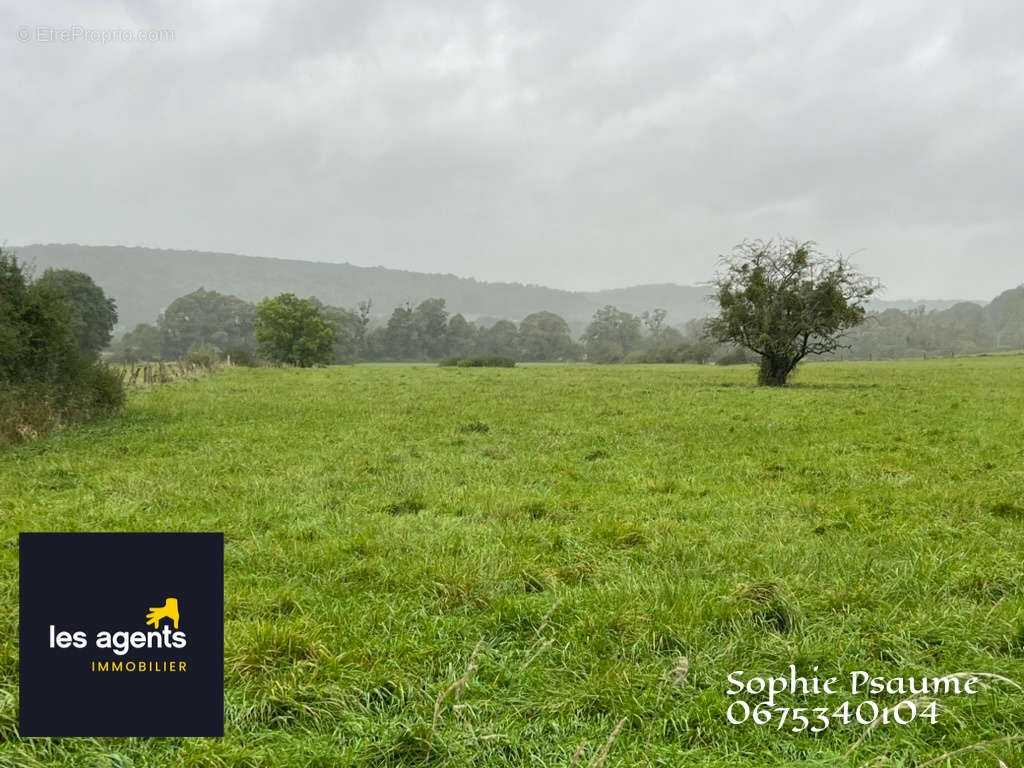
(588, 527)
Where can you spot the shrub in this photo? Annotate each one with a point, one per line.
(479, 361)
(685, 352)
(242, 356)
(34, 409)
(25, 413)
(736, 356)
(47, 378)
(204, 355)
(605, 351)
(99, 390)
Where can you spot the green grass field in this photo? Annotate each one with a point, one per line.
(584, 528)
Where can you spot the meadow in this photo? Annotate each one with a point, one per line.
(561, 565)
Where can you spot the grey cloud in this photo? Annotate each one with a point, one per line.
(573, 144)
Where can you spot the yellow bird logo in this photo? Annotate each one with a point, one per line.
(169, 610)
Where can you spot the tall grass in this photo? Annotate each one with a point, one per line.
(620, 537)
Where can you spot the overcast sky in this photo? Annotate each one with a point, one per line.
(578, 144)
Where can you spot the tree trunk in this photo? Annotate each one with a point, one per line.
(774, 371)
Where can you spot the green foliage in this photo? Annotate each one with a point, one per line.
(658, 332)
(91, 314)
(430, 328)
(204, 355)
(422, 333)
(695, 351)
(97, 391)
(735, 356)
(36, 341)
(363, 312)
(348, 330)
(143, 342)
(205, 317)
(613, 334)
(1006, 314)
(786, 300)
(48, 374)
(962, 329)
(144, 279)
(608, 525)
(400, 340)
(545, 337)
(479, 361)
(502, 339)
(461, 336)
(242, 356)
(426, 332)
(294, 331)
(33, 409)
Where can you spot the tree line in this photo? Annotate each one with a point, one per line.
(301, 331)
(297, 331)
(965, 328)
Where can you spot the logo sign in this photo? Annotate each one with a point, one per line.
(122, 634)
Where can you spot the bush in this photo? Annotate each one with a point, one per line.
(47, 378)
(605, 351)
(479, 361)
(25, 413)
(685, 352)
(242, 356)
(736, 356)
(204, 355)
(99, 390)
(34, 409)
(144, 342)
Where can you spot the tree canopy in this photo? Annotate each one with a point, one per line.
(49, 374)
(91, 314)
(294, 331)
(612, 335)
(36, 340)
(786, 300)
(545, 337)
(501, 339)
(206, 317)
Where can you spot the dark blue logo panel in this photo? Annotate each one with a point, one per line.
(122, 634)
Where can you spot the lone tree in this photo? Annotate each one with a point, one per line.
(785, 300)
(294, 331)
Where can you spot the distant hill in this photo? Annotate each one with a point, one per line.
(144, 281)
(926, 304)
